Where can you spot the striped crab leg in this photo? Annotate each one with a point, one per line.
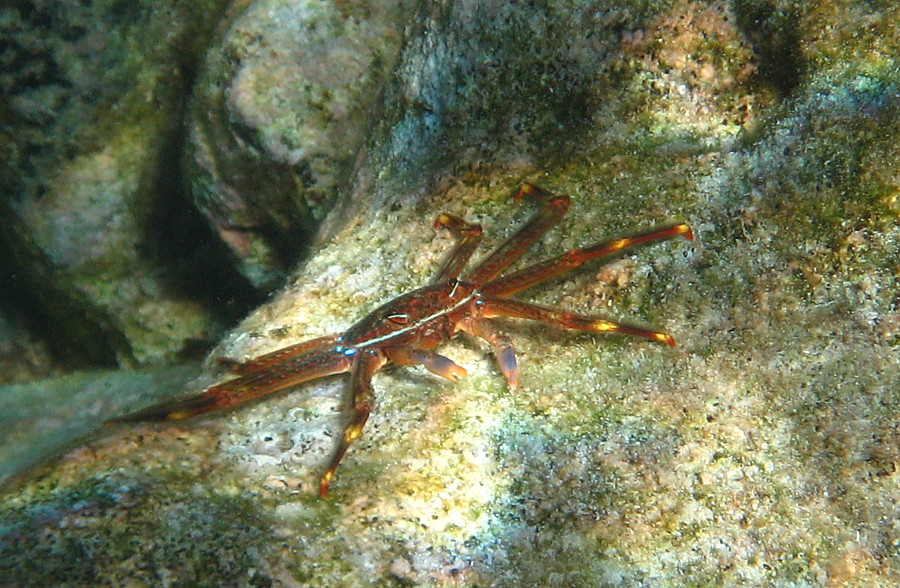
(364, 365)
(261, 376)
(535, 274)
(515, 309)
(554, 208)
(469, 235)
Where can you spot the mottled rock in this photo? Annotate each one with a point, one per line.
(762, 450)
(41, 418)
(22, 356)
(279, 113)
(92, 213)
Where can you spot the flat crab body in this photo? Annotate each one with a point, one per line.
(407, 329)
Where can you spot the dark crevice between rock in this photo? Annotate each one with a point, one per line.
(776, 43)
(286, 232)
(26, 327)
(193, 261)
(24, 301)
(187, 258)
(81, 343)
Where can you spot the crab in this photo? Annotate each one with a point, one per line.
(406, 330)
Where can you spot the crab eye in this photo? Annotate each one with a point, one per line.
(398, 319)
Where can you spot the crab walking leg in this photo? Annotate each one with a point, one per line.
(469, 236)
(433, 362)
(529, 276)
(364, 366)
(554, 209)
(280, 355)
(568, 320)
(277, 376)
(503, 348)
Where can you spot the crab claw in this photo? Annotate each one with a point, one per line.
(439, 365)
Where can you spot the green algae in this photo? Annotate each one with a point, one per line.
(73, 535)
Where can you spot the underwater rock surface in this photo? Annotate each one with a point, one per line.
(278, 115)
(763, 449)
(92, 98)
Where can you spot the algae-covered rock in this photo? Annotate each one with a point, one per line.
(761, 450)
(40, 419)
(281, 108)
(92, 212)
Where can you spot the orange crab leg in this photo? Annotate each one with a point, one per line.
(365, 364)
(469, 236)
(573, 258)
(554, 209)
(257, 382)
(503, 349)
(433, 362)
(516, 309)
(279, 355)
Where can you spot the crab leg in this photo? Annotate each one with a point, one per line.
(554, 209)
(433, 362)
(469, 235)
(503, 349)
(514, 308)
(364, 365)
(529, 276)
(278, 356)
(257, 382)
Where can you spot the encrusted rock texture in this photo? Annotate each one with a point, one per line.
(762, 450)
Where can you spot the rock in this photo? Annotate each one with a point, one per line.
(91, 211)
(40, 419)
(279, 113)
(761, 450)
